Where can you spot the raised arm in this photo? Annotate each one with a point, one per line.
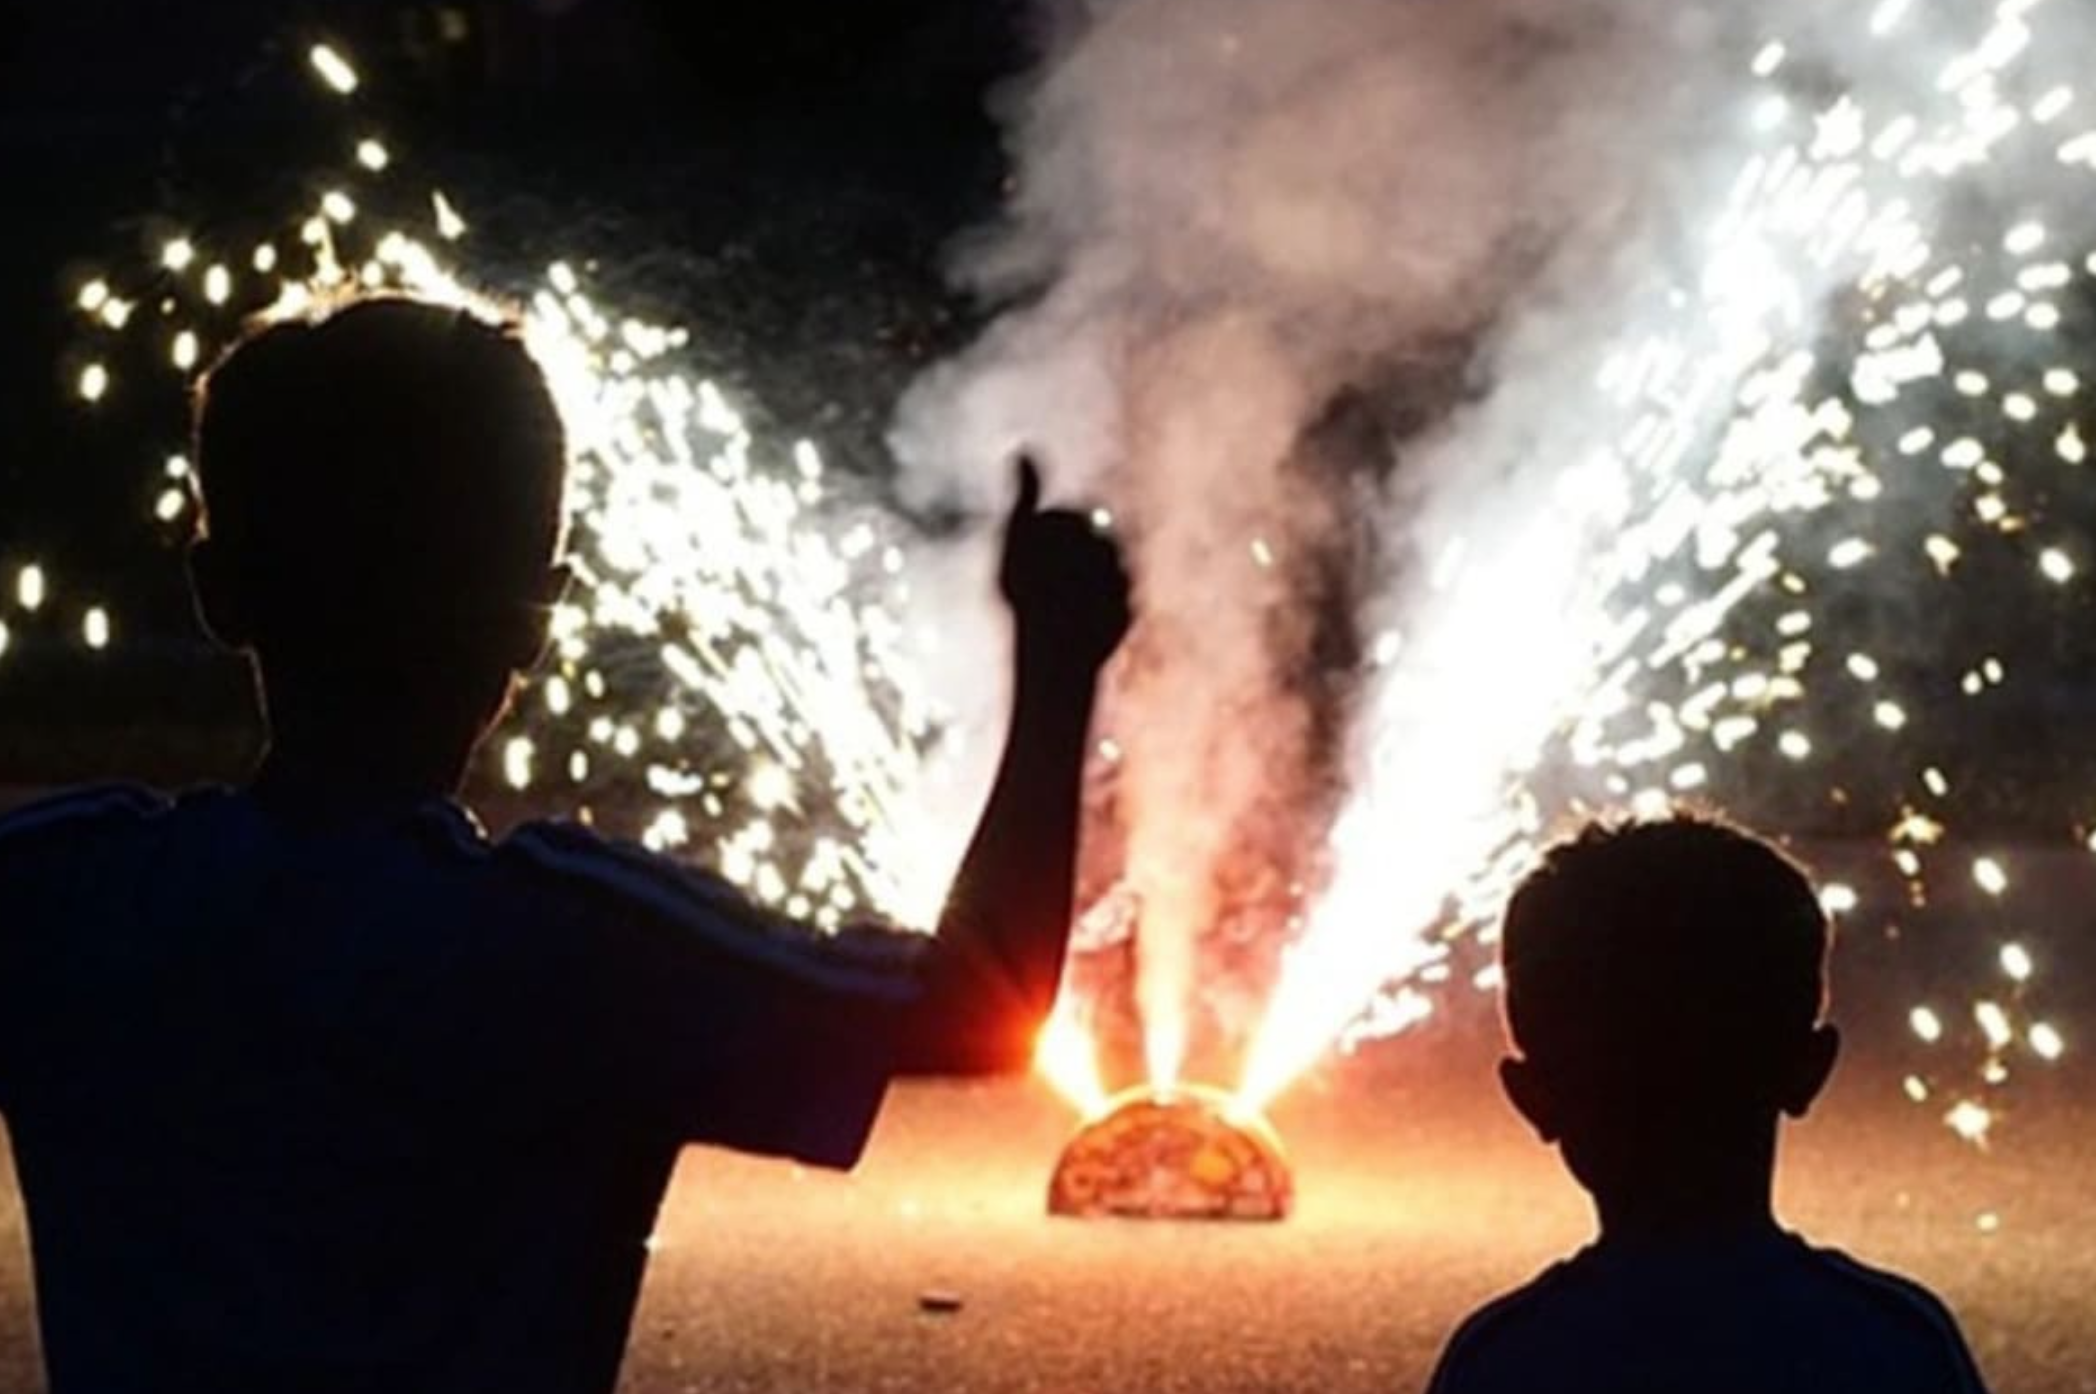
(990, 978)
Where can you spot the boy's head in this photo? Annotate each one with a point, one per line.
(1664, 985)
(382, 505)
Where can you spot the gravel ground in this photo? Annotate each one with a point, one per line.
(1420, 1198)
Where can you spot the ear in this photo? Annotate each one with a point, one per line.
(1530, 1095)
(1809, 1069)
(220, 602)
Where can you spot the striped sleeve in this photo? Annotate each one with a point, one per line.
(731, 1024)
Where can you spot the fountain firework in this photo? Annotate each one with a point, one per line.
(1504, 407)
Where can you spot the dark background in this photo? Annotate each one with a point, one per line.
(782, 177)
(786, 178)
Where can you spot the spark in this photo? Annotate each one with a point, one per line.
(1970, 1120)
(333, 68)
(32, 588)
(94, 628)
(518, 753)
(1066, 1057)
(735, 669)
(717, 578)
(1851, 553)
(450, 226)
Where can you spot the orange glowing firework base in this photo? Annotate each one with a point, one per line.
(1187, 1153)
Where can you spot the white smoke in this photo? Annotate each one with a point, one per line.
(1229, 213)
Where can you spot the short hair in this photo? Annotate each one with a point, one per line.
(382, 450)
(1649, 953)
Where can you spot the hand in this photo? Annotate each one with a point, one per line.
(1063, 578)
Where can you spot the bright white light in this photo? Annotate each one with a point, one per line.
(333, 68)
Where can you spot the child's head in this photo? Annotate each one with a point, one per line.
(382, 504)
(1664, 984)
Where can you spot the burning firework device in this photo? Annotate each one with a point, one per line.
(1183, 1153)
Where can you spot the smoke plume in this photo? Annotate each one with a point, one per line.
(1307, 293)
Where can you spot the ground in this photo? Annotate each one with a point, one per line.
(1420, 1197)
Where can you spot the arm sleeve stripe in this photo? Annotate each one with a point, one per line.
(80, 806)
(715, 914)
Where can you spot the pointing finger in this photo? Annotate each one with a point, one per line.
(1029, 500)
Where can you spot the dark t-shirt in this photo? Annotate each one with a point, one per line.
(369, 1102)
(1760, 1314)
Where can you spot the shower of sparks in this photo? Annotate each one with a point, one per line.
(729, 680)
(724, 681)
(1853, 342)
(1067, 1057)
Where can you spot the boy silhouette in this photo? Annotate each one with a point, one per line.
(1664, 987)
(312, 1086)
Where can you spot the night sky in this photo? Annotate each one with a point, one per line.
(784, 177)
(787, 178)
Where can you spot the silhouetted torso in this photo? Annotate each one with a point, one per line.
(367, 1102)
(1758, 1313)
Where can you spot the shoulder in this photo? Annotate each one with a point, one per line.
(1906, 1311)
(1476, 1356)
(619, 885)
(76, 817)
(580, 860)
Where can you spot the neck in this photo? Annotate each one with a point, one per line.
(339, 757)
(298, 770)
(340, 737)
(1718, 1186)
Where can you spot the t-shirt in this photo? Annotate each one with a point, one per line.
(366, 1101)
(1762, 1313)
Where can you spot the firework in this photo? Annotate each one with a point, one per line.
(1185, 1153)
(1869, 365)
(1862, 381)
(726, 677)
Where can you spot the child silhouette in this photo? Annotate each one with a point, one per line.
(315, 1087)
(1664, 987)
